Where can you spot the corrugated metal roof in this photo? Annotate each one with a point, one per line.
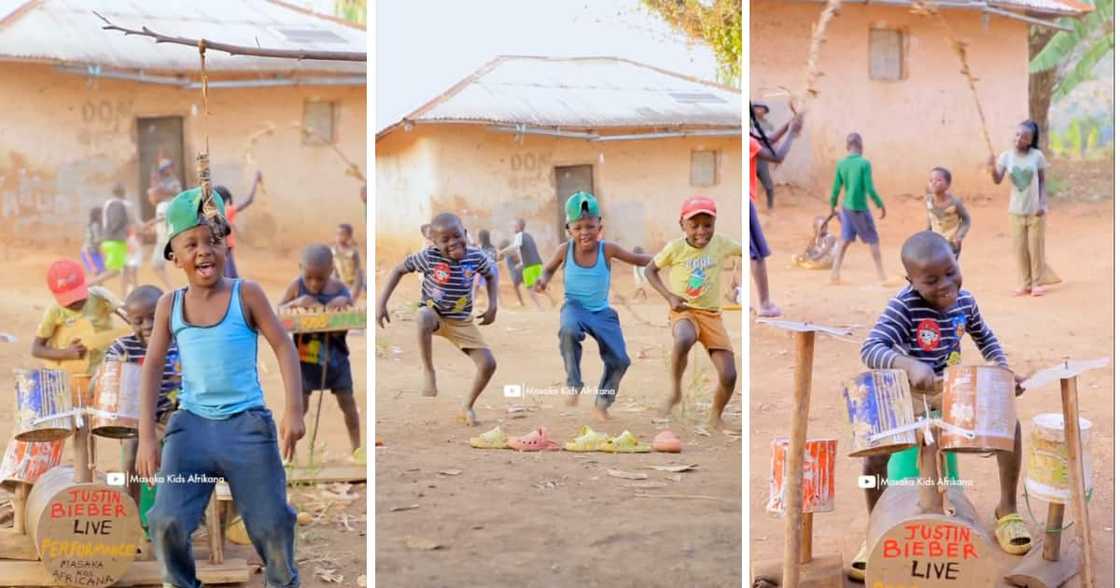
(583, 93)
(1045, 6)
(67, 31)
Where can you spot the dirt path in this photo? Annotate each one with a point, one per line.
(1075, 321)
(24, 299)
(554, 519)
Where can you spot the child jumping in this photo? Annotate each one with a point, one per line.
(348, 261)
(853, 174)
(115, 222)
(946, 213)
(448, 302)
(92, 259)
(324, 351)
(695, 263)
(920, 332)
(232, 210)
(140, 308)
(586, 260)
(514, 267)
(223, 427)
(531, 266)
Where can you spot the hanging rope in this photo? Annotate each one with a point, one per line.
(202, 162)
(924, 8)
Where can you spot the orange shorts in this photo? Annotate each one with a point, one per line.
(463, 334)
(709, 327)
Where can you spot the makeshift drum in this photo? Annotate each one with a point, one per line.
(1048, 476)
(980, 399)
(43, 405)
(25, 462)
(116, 400)
(85, 534)
(879, 401)
(818, 482)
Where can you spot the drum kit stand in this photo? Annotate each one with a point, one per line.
(929, 533)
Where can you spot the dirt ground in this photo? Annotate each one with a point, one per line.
(1073, 321)
(502, 518)
(326, 544)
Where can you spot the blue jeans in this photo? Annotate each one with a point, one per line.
(576, 322)
(243, 450)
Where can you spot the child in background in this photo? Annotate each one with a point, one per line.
(315, 288)
(76, 313)
(231, 216)
(853, 174)
(946, 213)
(639, 278)
(763, 150)
(1027, 207)
(586, 260)
(91, 256)
(140, 308)
(448, 269)
(513, 264)
(488, 248)
(135, 259)
(531, 266)
(695, 263)
(819, 251)
(347, 261)
(223, 427)
(920, 332)
(115, 223)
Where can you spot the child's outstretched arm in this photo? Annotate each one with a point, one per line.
(252, 193)
(359, 277)
(289, 297)
(262, 317)
(997, 169)
(614, 251)
(881, 348)
(783, 150)
(383, 303)
(966, 220)
(550, 268)
(871, 190)
(151, 375)
(491, 312)
(343, 298)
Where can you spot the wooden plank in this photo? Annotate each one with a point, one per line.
(803, 383)
(1072, 420)
(145, 573)
(17, 546)
(327, 474)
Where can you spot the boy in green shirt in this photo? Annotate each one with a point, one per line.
(853, 174)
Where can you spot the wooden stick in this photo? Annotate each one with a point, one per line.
(19, 508)
(929, 498)
(239, 49)
(1072, 419)
(83, 474)
(803, 381)
(806, 537)
(214, 530)
(812, 70)
(1052, 537)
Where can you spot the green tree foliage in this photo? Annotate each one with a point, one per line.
(716, 23)
(351, 10)
(1091, 39)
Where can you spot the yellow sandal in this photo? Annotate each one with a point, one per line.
(493, 439)
(625, 443)
(858, 567)
(1012, 534)
(586, 440)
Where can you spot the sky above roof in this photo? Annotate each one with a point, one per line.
(420, 57)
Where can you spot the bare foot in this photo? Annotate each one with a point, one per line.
(1037, 291)
(600, 414)
(667, 407)
(718, 424)
(836, 281)
(572, 397)
(467, 417)
(1021, 292)
(429, 385)
(769, 310)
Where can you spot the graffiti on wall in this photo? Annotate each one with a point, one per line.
(529, 170)
(104, 121)
(35, 195)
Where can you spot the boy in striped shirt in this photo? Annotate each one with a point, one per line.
(140, 307)
(920, 332)
(447, 302)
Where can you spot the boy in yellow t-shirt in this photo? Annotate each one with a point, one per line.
(696, 263)
(75, 331)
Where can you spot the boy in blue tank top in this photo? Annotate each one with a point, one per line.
(586, 311)
(316, 288)
(222, 428)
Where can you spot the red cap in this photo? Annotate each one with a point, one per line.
(67, 282)
(698, 205)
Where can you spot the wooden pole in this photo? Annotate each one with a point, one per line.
(1052, 538)
(19, 508)
(803, 380)
(806, 537)
(929, 497)
(1072, 421)
(82, 472)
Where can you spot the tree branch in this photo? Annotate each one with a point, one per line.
(238, 49)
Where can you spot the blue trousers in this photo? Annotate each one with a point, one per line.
(243, 450)
(576, 322)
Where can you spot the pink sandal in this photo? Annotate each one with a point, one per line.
(667, 442)
(535, 441)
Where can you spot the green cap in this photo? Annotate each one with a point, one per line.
(579, 204)
(185, 213)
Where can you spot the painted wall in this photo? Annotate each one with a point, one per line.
(491, 178)
(65, 140)
(928, 119)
